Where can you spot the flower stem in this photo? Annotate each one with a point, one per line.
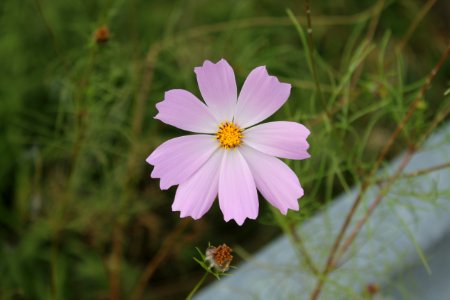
(197, 286)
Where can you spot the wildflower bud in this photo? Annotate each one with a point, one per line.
(101, 35)
(372, 289)
(219, 257)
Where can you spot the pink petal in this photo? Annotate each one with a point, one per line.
(274, 179)
(260, 97)
(185, 111)
(282, 139)
(218, 87)
(195, 196)
(238, 198)
(177, 159)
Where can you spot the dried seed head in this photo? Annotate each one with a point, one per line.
(101, 35)
(219, 257)
(372, 289)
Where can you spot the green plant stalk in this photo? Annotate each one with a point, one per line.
(296, 240)
(309, 52)
(197, 286)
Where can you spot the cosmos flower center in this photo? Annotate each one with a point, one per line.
(229, 135)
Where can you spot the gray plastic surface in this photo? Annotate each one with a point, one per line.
(414, 216)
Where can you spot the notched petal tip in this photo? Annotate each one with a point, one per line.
(265, 72)
(306, 146)
(301, 194)
(228, 218)
(179, 209)
(206, 63)
(283, 210)
(285, 85)
(262, 68)
(160, 106)
(163, 185)
(306, 132)
(184, 214)
(197, 69)
(239, 222)
(150, 161)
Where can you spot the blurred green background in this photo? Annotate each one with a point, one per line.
(79, 216)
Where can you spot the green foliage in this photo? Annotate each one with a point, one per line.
(79, 216)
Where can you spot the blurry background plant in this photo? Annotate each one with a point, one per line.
(79, 216)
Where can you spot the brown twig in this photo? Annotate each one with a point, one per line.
(114, 264)
(341, 104)
(147, 80)
(397, 175)
(417, 173)
(411, 109)
(313, 54)
(346, 244)
(160, 256)
(376, 11)
(413, 26)
(337, 241)
(370, 34)
(367, 179)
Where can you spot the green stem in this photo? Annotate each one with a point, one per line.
(197, 286)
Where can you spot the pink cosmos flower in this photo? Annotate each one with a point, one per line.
(229, 156)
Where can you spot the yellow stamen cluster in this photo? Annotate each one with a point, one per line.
(229, 135)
